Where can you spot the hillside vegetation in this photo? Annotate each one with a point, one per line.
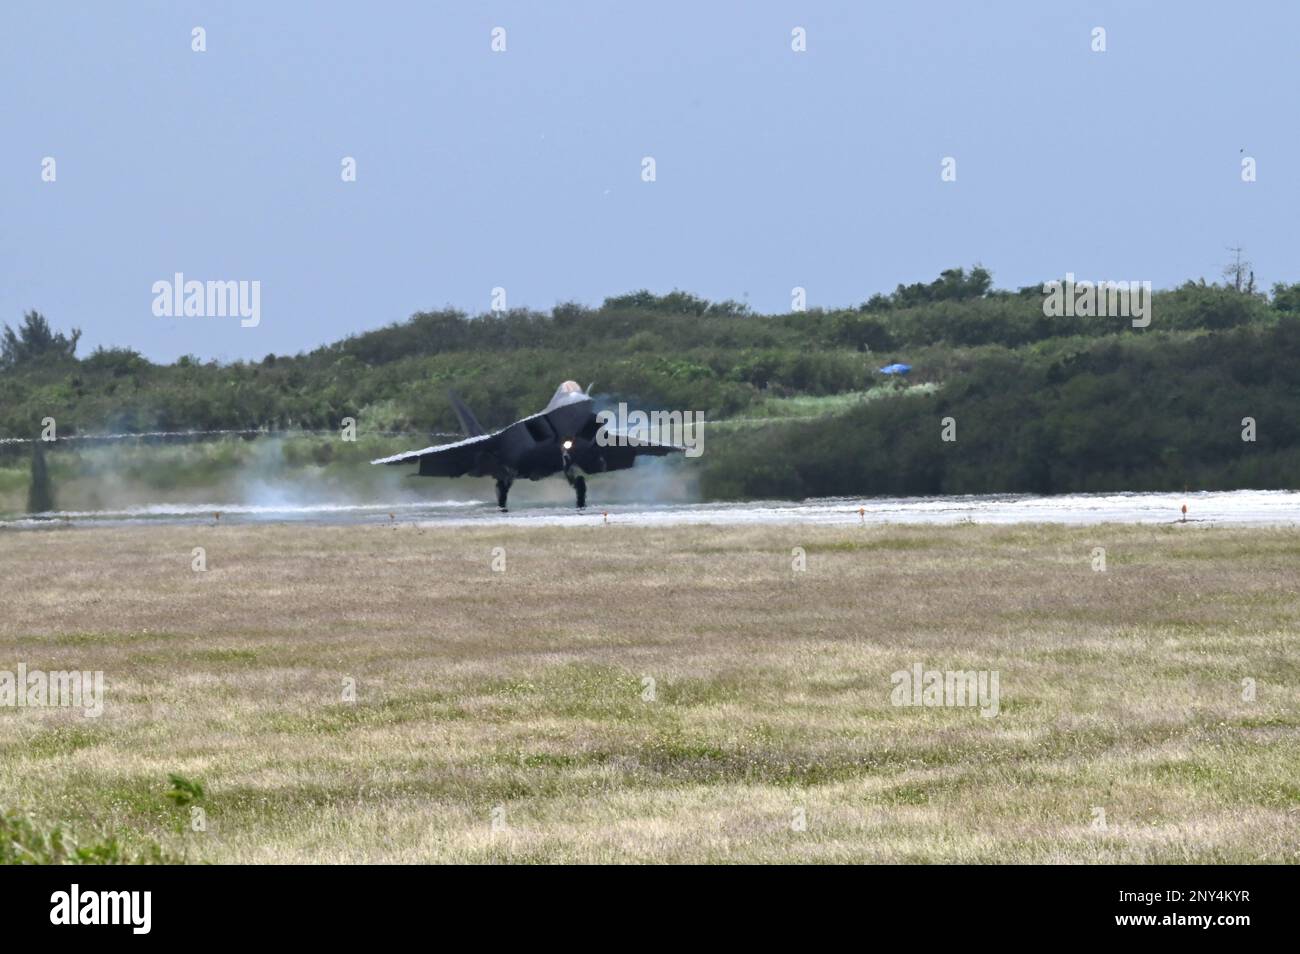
(1040, 404)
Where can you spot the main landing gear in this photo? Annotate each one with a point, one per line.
(576, 481)
(503, 489)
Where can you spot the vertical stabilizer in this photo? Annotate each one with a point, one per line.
(468, 423)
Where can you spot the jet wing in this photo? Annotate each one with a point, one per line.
(448, 460)
(623, 450)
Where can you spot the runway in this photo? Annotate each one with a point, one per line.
(1239, 508)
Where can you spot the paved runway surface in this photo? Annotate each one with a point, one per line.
(1243, 507)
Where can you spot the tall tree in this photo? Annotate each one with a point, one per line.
(35, 339)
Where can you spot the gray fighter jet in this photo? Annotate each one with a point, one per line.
(560, 439)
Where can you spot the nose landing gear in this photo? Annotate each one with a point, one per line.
(579, 485)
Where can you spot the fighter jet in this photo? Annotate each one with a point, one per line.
(560, 439)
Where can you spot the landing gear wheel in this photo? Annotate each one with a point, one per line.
(580, 488)
(503, 489)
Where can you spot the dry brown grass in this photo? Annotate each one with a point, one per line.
(523, 690)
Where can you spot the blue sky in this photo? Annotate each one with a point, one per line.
(522, 169)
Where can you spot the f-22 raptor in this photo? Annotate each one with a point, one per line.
(563, 438)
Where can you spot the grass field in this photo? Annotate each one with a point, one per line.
(505, 716)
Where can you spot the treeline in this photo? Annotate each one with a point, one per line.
(1041, 404)
(674, 350)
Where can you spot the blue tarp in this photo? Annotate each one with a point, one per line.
(896, 369)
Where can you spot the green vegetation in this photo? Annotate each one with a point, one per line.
(1150, 412)
(183, 792)
(25, 842)
(35, 342)
(1041, 404)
